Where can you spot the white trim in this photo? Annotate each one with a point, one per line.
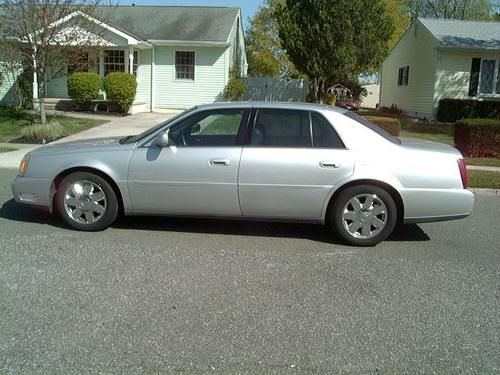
(188, 43)
(130, 39)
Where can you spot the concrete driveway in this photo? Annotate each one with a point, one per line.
(117, 126)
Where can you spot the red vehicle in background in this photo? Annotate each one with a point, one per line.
(343, 97)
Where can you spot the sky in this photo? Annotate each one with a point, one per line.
(248, 7)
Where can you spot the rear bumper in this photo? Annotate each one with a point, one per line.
(32, 191)
(428, 205)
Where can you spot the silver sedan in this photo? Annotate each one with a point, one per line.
(253, 161)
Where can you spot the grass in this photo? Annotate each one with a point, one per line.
(7, 149)
(485, 162)
(484, 179)
(12, 123)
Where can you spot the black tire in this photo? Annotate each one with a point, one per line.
(338, 222)
(105, 219)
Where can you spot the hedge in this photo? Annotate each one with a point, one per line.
(83, 87)
(389, 124)
(451, 110)
(121, 88)
(478, 137)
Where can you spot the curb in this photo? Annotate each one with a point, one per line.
(488, 192)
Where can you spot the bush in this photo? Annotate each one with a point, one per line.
(389, 124)
(83, 87)
(43, 132)
(451, 110)
(235, 89)
(478, 137)
(121, 88)
(329, 99)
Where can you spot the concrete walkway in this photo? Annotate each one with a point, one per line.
(116, 127)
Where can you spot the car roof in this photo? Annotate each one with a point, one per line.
(274, 105)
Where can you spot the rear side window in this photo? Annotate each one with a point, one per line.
(324, 136)
(373, 127)
(281, 128)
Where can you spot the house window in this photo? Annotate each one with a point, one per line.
(114, 61)
(136, 63)
(403, 75)
(489, 77)
(184, 65)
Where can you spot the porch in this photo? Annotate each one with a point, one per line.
(98, 106)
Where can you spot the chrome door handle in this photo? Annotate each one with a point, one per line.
(220, 162)
(329, 164)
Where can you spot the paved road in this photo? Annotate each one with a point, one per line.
(196, 296)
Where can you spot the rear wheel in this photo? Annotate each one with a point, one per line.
(86, 202)
(363, 215)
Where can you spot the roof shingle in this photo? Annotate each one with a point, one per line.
(477, 35)
(182, 23)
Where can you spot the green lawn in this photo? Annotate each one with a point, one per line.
(484, 179)
(429, 131)
(7, 149)
(486, 162)
(11, 123)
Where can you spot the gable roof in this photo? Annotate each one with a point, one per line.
(477, 35)
(175, 23)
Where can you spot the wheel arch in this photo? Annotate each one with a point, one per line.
(57, 181)
(381, 184)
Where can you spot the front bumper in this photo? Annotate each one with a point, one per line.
(427, 205)
(33, 191)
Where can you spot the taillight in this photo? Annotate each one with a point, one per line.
(463, 172)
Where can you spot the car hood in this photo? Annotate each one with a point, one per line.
(79, 145)
(417, 144)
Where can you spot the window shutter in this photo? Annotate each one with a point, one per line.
(474, 76)
(407, 77)
(400, 76)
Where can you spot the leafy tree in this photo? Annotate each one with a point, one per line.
(397, 10)
(266, 57)
(334, 41)
(454, 9)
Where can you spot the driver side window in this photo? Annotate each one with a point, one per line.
(210, 128)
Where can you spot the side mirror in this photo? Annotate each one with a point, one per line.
(163, 139)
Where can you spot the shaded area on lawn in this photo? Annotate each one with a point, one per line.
(7, 149)
(12, 123)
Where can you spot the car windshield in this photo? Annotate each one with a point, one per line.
(363, 121)
(138, 137)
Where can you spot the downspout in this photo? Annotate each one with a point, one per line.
(152, 83)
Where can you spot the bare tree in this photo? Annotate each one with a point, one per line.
(454, 9)
(46, 36)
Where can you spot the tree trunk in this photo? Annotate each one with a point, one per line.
(43, 114)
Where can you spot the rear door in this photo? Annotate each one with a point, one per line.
(291, 163)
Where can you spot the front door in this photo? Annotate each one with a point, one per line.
(197, 174)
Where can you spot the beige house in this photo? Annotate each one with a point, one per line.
(437, 59)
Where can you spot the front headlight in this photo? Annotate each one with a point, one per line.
(23, 167)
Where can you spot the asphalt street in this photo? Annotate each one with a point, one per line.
(160, 295)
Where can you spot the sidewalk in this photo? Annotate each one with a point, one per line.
(116, 127)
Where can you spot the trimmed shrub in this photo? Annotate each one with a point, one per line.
(83, 87)
(389, 124)
(235, 89)
(43, 133)
(478, 137)
(121, 88)
(452, 110)
(329, 99)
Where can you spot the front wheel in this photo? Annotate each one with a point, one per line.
(86, 202)
(363, 215)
